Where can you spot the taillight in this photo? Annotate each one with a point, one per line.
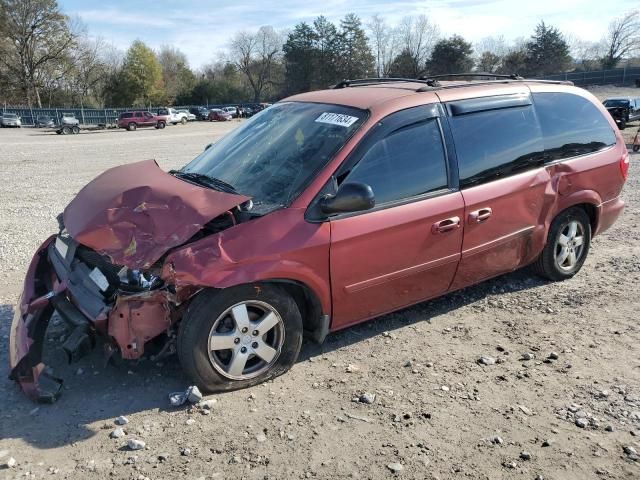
(624, 166)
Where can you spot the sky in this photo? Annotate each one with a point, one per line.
(202, 29)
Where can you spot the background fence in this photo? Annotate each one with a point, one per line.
(617, 76)
(86, 116)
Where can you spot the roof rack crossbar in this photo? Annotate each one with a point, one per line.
(374, 80)
(512, 76)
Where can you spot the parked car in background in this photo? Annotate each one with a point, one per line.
(219, 115)
(173, 116)
(201, 113)
(233, 111)
(133, 120)
(69, 120)
(44, 121)
(623, 110)
(268, 235)
(190, 116)
(10, 120)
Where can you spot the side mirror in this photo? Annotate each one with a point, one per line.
(350, 197)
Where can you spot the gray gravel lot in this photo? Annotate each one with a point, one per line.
(437, 412)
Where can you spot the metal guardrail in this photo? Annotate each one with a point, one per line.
(617, 76)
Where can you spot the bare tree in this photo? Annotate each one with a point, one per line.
(384, 43)
(623, 38)
(37, 35)
(417, 37)
(586, 55)
(256, 55)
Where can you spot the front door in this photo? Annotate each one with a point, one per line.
(407, 248)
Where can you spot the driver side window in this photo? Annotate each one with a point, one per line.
(406, 163)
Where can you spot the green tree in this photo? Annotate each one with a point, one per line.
(355, 59)
(489, 62)
(143, 75)
(35, 39)
(451, 55)
(326, 53)
(547, 51)
(403, 66)
(299, 57)
(514, 62)
(176, 74)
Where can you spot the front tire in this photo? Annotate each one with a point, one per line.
(160, 125)
(567, 246)
(183, 121)
(239, 337)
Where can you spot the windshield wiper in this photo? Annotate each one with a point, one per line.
(205, 180)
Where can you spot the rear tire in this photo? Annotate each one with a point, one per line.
(567, 246)
(213, 317)
(622, 124)
(131, 127)
(636, 148)
(183, 121)
(66, 130)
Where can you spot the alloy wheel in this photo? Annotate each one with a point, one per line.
(246, 340)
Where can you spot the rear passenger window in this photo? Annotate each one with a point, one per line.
(493, 144)
(571, 125)
(408, 162)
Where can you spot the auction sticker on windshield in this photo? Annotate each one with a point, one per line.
(337, 119)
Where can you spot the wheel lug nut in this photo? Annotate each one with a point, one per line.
(256, 333)
(254, 345)
(245, 330)
(236, 340)
(243, 349)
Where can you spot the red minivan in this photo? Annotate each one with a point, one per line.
(324, 210)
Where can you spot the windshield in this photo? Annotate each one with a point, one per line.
(616, 103)
(273, 156)
(10, 115)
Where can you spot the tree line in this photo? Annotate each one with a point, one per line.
(48, 58)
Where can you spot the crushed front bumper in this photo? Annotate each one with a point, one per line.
(58, 279)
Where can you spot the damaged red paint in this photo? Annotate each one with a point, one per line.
(27, 334)
(134, 213)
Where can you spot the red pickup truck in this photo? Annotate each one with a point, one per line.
(133, 120)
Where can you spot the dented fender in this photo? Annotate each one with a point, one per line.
(257, 251)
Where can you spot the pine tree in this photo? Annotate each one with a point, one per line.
(299, 56)
(452, 55)
(355, 57)
(547, 51)
(326, 46)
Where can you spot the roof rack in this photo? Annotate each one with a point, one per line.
(359, 82)
(431, 82)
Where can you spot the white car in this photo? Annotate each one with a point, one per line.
(190, 116)
(231, 110)
(174, 116)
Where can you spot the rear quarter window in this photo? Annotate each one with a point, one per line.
(571, 125)
(493, 144)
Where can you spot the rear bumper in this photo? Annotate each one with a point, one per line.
(608, 213)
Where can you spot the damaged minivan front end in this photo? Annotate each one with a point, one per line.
(102, 273)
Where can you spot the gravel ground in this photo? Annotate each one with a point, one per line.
(402, 396)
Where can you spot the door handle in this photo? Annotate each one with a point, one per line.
(480, 216)
(446, 225)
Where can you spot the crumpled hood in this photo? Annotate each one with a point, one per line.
(134, 213)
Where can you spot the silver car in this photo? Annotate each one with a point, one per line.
(10, 120)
